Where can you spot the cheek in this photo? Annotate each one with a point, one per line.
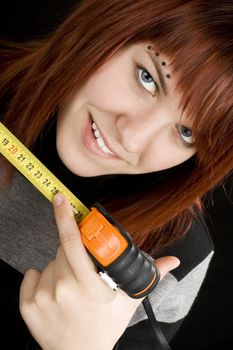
(105, 90)
(177, 159)
(165, 156)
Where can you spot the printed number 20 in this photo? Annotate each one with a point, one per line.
(13, 149)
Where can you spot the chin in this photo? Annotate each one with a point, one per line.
(82, 169)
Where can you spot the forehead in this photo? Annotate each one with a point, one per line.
(151, 48)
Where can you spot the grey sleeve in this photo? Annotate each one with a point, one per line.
(172, 299)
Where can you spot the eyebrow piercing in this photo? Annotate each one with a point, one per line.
(156, 53)
(163, 63)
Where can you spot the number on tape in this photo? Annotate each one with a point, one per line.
(30, 166)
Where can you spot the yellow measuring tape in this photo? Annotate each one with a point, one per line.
(45, 181)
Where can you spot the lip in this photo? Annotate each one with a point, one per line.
(90, 141)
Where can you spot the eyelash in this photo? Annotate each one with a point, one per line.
(136, 72)
(186, 144)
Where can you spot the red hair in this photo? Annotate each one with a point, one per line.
(197, 37)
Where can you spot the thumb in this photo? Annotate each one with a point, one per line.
(166, 264)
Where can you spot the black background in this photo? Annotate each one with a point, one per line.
(210, 322)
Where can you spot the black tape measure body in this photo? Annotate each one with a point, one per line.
(133, 270)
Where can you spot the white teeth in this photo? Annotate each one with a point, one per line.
(100, 140)
(97, 133)
(94, 127)
(106, 150)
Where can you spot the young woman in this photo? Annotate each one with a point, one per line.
(128, 103)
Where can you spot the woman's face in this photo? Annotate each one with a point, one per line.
(131, 107)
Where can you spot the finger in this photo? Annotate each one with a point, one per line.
(29, 285)
(46, 283)
(166, 264)
(74, 250)
(62, 266)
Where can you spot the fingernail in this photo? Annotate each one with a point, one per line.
(177, 263)
(58, 199)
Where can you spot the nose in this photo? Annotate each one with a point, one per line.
(137, 132)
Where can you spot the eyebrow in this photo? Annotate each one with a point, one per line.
(160, 73)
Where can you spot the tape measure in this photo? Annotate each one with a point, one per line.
(108, 243)
(36, 172)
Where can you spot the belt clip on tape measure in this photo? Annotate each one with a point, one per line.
(120, 261)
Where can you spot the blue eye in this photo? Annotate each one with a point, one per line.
(186, 135)
(146, 80)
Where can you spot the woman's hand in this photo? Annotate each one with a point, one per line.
(68, 306)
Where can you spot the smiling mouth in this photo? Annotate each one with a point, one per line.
(96, 142)
(99, 139)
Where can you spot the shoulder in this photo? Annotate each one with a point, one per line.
(193, 250)
(173, 297)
